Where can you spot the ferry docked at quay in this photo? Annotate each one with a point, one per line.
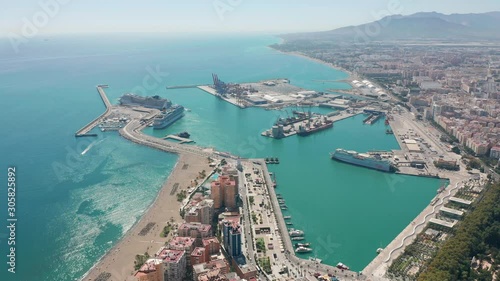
(371, 161)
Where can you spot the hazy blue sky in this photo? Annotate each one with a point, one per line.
(215, 15)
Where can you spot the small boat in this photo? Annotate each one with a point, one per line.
(296, 232)
(298, 238)
(315, 260)
(342, 266)
(303, 250)
(287, 217)
(289, 223)
(302, 245)
(184, 135)
(272, 160)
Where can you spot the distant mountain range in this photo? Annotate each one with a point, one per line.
(419, 26)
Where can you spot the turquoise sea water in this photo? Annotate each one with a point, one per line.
(77, 197)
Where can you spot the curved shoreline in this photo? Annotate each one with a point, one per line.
(132, 227)
(118, 261)
(302, 55)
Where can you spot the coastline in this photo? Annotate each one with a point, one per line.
(302, 55)
(118, 262)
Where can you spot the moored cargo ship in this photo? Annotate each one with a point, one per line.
(372, 161)
(315, 127)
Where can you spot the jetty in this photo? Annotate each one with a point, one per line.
(181, 87)
(372, 118)
(213, 92)
(84, 131)
(179, 139)
(291, 129)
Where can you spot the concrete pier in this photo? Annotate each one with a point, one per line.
(177, 138)
(87, 128)
(213, 92)
(132, 132)
(181, 87)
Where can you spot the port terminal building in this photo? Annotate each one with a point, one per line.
(451, 213)
(443, 223)
(461, 201)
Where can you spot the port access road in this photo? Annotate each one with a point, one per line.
(132, 132)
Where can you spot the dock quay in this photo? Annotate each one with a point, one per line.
(335, 106)
(177, 138)
(370, 120)
(213, 92)
(419, 147)
(83, 132)
(181, 87)
(132, 132)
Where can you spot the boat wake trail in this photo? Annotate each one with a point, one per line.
(91, 145)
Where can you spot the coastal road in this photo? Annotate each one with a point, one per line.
(247, 224)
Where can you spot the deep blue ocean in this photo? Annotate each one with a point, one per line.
(77, 197)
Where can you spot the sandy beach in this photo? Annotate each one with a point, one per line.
(299, 54)
(118, 263)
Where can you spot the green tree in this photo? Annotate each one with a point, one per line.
(261, 245)
(475, 164)
(165, 231)
(254, 218)
(140, 260)
(476, 236)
